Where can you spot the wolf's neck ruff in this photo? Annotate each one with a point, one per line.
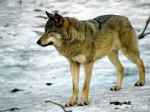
(76, 30)
(74, 46)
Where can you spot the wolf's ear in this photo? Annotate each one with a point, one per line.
(59, 20)
(50, 16)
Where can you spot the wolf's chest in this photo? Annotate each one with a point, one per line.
(79, 58)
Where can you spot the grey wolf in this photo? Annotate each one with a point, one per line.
(84, 42)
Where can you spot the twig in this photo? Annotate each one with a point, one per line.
(142, 34)
(146, 34)
(58, 105)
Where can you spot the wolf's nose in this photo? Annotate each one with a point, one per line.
(38, 42)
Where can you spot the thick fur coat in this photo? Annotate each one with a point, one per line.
(84, 42)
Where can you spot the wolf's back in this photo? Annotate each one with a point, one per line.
(112, 21)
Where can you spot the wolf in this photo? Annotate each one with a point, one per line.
(83, 42)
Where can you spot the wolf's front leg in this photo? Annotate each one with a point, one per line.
(88, 67)
(74, 67)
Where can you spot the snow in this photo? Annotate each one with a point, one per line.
(28, 67)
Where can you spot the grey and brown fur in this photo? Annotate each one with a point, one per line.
(84, 42)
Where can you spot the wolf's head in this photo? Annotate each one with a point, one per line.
(55, 31)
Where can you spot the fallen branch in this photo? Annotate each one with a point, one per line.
(58, 105)
(142, 35)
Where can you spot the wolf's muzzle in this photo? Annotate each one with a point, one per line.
(39, 43)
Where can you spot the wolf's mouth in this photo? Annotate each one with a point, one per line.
(50, 43)
(39, 43)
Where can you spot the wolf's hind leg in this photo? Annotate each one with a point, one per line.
(74, 67)
(113, 57)
(133, 55)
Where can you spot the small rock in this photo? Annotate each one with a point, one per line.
(14, 109)
(6, 25)
(15, 90)
(37, 10)
(48, 84)
(116, 103)
(56, 11)
(127, 103)
(11, 109)
(120, 103)
(20, 2)
(116, 108)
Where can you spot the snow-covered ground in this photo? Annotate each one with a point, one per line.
(29, 67)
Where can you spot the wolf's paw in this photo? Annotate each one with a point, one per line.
(83, 102)
(71, 102)
(140, 83)
(115, 88)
